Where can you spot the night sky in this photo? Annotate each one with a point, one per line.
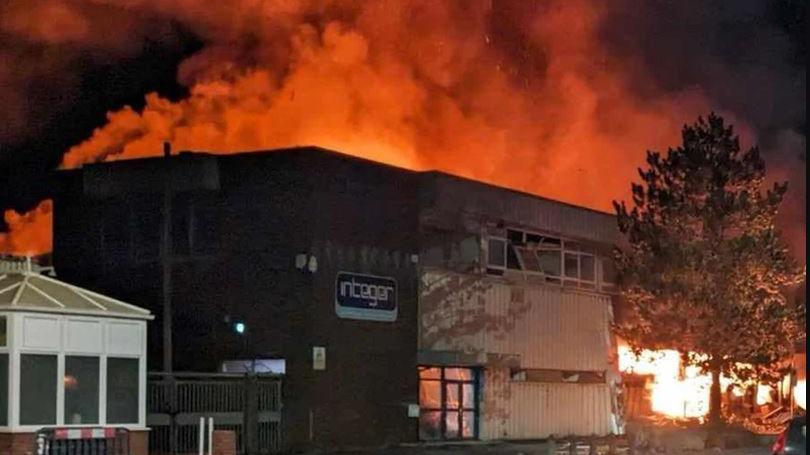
(748, 57)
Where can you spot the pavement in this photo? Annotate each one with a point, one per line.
(539, 448)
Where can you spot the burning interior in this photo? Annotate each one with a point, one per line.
(659, 386)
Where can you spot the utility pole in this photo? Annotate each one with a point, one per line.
(166, 259)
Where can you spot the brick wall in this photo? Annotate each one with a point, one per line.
(23, 443)
(16, 443)
(224, 443)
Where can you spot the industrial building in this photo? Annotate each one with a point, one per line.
(399, 305)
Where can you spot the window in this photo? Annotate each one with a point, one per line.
(448, 402)
(607, 275)
(3, 331)
(557, 260)
(122, 390)
(37, 389)
(608, 271)
(81, 390)
(3, 390)
(571, 265)
(550, 262)
(496, 254)
(587, 268)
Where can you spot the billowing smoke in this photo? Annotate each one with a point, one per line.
(548, 97)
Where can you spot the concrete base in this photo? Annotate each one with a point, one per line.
(23, 443)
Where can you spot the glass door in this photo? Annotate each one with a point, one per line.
(448, 403)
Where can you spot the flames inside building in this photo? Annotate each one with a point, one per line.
(658, 384)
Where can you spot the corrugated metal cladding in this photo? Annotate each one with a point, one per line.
(455, 194)
(523, 410)
(545, 326)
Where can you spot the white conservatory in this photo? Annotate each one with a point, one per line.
(68, 356)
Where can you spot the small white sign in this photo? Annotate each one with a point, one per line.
(413, 410)
(318, 358)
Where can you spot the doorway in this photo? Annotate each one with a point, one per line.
(448, 403)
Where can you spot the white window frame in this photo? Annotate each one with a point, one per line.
(6, 349)
(561, 279)
(15, 350)
(605, 286)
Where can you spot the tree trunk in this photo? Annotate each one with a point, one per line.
(715, 398)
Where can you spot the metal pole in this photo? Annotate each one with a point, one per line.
(165, 258)
(201, 438)
(210, 436)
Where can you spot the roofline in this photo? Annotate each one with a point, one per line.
(74, 312)
(79, 290)
(518, 192)
(349, 157)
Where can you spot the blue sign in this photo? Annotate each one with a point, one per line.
(366, 297)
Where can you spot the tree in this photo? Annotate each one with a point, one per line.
(706, 271)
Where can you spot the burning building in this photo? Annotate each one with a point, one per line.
(403, 305)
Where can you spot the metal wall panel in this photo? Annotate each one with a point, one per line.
(525, 410)
(456, 195)
(546, 326)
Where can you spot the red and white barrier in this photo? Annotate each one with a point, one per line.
(84, 433)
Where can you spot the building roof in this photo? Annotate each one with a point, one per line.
(24, 287)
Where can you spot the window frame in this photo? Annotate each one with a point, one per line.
(101, 351)
(105, 393)
(443, 409)
(58, 398)
(99, 388)
(597, 284)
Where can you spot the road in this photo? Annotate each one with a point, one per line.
(533, 449)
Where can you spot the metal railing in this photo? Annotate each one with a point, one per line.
(82, 441)
(247, 404)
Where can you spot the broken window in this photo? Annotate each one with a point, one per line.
(549, 261)
(496, 254)
(515, 237)
(528, 259)
(556, 259)
(512, 261)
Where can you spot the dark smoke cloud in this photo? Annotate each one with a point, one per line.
(63, 65)
(750, 56)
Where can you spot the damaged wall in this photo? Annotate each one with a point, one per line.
(512, 327)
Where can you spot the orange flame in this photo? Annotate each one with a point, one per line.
(30, 233)
(679, 392)
(419, 84)
(800, 393)
(524, 94)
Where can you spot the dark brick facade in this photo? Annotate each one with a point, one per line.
(235, 244)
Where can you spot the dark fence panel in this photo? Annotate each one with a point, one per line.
(248, 404)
